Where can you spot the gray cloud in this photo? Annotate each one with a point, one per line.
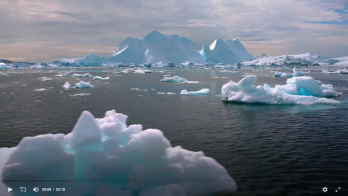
(44, 30)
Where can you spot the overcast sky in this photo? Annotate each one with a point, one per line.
(46, 30)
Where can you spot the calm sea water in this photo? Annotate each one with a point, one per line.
(267, 149)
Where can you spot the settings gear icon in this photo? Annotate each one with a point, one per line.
(325, 189)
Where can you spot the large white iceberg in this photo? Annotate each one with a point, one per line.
(298, 90)
(153, 48)
(136, 161)
(229, 51)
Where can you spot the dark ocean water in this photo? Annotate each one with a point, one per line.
(267, 149)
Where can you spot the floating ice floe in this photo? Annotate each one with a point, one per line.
(106, 149)
(134, 89)
(298, 90)
(40, 89)
(153, 89)
(3, 74)
(177, 79)
(170, 93)
(45, 78)
(344, 71)
(295, 73)
(80, 94)
(139, 71)
(204, 91)
(86, 75)
(100, 78)
(83, 84)
(66, 85)
(161, 93)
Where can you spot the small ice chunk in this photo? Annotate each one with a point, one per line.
(170, 93)
(83, 84)
(134, 89)
(100, 78)
(204, 91)
(153, 89)
(139, 71)
(86, 75)
(66, 85)
(80, 94)
(45, 78)
(40, 89)
(176, 79)
(161, 93)
(184, 92)
(142, 90)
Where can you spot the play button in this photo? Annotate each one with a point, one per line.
(9, 189)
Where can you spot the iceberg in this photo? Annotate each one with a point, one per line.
(100, 78)
(295, 73)
(174, 79)
(341, 61)
(66, 85)
(298, 90)
(83, 84)
(139, 71)
(204, 91)
(153, 48)
(45, 78)
(86, 75)
(229, 51)
(80, 94)
(177, 79)
(106, 149)
(299, 59)
(344, 71)
(40, 89)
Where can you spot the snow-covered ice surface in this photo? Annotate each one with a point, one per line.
(106, 149)
(298, 90)
(204, 91)
(83, 84)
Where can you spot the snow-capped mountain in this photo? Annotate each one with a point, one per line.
(229, 51)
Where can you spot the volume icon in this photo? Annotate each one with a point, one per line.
(36, 189)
